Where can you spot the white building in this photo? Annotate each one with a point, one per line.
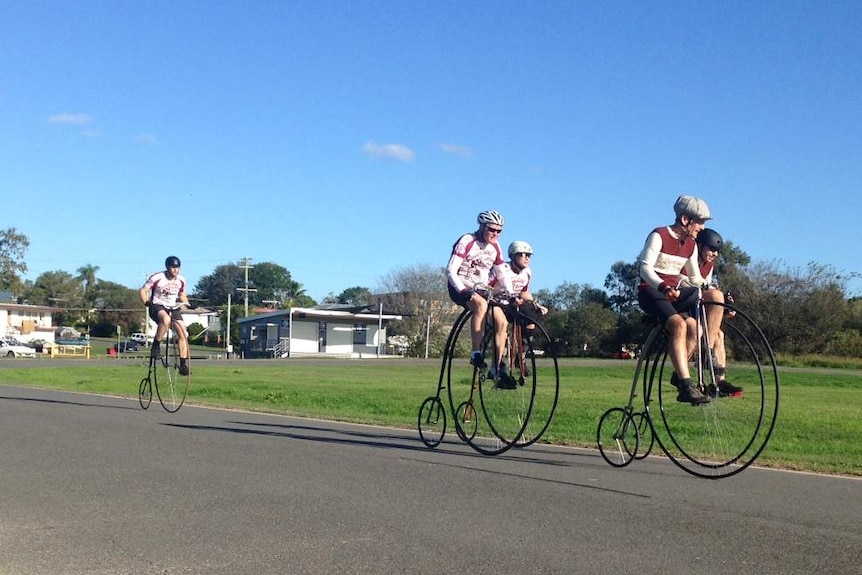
(304, 332)
(26, 322)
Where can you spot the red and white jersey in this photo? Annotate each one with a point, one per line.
(520, 281)
(665, 257)
(706, 269)
(164, 291)
(471, 262)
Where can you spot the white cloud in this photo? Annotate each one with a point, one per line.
(457, 149)
(389, 151)
(147, 139)
(74, 119)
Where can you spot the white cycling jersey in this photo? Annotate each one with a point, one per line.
(520, 281)
(165, 291)
(471, 262)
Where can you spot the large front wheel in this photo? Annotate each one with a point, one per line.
(535, 358)
(464, 381)
(726, 435)
(171, 385)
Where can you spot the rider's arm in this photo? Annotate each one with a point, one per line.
(452, 268)
(692, 270)
(145, 293)
(647, 261)
(505, 282)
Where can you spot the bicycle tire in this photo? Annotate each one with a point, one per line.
(171, 386)
(432, 421)
(617, 437)
(506, 398)
(646, 438)
(145, 392)
(541, 359)
(463, 383)
(723, 437)
(468, 424)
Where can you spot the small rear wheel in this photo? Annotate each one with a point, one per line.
(466, 422)
(645, 435)
(145, 392)
(432, 421)
(617, 437)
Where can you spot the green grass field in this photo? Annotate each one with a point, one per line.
(819, 423)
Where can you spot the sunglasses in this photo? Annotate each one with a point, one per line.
(525, 254)
(493, 230)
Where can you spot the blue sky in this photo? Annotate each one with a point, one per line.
(346, 140)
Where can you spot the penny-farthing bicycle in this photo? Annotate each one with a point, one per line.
(163, 373)
(494, 409)
(712, 440)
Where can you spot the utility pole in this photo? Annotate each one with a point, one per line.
(246, 289)
(227, 346)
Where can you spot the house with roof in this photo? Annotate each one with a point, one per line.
(325, 331)
(25, 322)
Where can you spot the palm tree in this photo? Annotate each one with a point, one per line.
(87, 276)
(292, 294)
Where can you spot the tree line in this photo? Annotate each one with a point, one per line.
(800, 310)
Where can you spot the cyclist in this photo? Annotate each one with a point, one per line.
(518, 270)
(160, 294)
(669, 254)
(473, 256)
(709, 244)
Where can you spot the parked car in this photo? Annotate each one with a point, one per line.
(141, 338)
(127, 346)
(15, 349)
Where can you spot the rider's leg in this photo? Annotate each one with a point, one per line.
(164, 321)
(680, 329)
(479, 306)
(183, 343)
(182, 339)
(501, 332)
(714, 314)
(677, 329)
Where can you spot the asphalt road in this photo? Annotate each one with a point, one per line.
(95, 485)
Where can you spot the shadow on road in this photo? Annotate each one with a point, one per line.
(384, 441)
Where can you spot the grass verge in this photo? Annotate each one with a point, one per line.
(819, 422)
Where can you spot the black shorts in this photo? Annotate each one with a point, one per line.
(656, 304)
(461, 298)
(155, 309)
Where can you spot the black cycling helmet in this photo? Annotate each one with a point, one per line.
(710, 238)
(172, 261)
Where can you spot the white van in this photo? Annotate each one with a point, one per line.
(141, 338)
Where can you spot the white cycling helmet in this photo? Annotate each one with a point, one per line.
(489, 217)
(520, 247)
(692, 207)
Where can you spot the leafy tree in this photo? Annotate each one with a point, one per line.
(356, 296)
(54, 288)
(799, 310)
(418, 293)
(116, 305)
(270, 280)
(13, 248)
(217, 286)
(621, 283)
(580, 319)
